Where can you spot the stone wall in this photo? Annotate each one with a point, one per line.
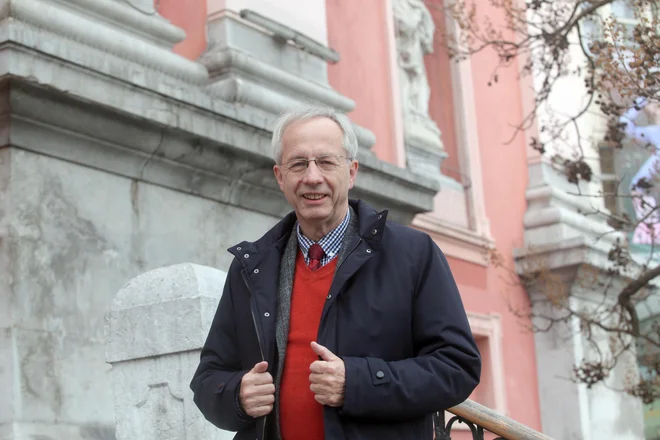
(78, 235)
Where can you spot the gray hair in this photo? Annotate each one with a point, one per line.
(350, 142)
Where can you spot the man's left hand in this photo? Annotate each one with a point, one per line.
(328, 377)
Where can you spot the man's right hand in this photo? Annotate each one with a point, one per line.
(257, 394)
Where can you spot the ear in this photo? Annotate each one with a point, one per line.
(279, 176)
(352, 173)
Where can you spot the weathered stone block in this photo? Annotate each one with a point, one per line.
(155, 330)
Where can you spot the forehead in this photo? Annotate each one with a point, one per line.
(312, 136)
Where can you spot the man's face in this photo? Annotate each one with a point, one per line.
(317, 191)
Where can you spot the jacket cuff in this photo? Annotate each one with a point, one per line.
(366, 382)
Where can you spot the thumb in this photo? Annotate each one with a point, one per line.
(259, 368)
(323, 352)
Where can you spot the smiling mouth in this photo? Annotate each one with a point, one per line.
(313, 196)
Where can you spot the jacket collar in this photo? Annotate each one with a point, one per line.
(371, 225)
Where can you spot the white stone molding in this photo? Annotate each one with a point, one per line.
(222, 60)
(248, 66)
(468, 143)
(554, 214)
(79, 21)
(155, 329)
(241, 89)
(454, 240)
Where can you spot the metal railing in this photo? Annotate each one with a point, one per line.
(480, 419)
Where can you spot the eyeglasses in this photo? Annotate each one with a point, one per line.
(326, 163)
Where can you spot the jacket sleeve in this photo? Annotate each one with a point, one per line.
(446, 367)
(217, 381)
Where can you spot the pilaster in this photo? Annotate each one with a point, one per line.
(563, 240)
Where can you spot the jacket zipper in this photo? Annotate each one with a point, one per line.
(345, 258)
(256, 329)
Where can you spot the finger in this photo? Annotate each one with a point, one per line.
(318, 389)
(261, 379)
(315, 378)
(325, 354)
(264, 389)
(256, 401)
(252, 390)
(260, 367)
(318, 367)
(260, 411)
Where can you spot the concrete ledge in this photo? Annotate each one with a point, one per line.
(200, 153)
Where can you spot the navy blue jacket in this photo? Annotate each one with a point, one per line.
(394, 315)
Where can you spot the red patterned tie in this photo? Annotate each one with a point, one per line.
(315, 255)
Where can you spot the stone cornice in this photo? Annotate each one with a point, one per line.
(79, 100)
(227, 160)
(103, 25)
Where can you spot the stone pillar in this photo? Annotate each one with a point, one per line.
(415, 29)
(273, 56)
(573, 248)
(154, 333)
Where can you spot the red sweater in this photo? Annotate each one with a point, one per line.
(301, 416)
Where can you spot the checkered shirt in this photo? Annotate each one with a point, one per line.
(331, 243)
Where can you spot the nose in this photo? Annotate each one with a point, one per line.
(312, 174)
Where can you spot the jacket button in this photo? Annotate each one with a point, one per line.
(256, 271)
(368, 251)
(239, 248)
(246, 256)
(380, 375)
(374, 232)
(266, 314)
(329, 296)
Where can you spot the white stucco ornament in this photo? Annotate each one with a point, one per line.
(415, 29)
(414, 36)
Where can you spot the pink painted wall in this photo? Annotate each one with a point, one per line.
(190, 15)
(505, 178)
(358, 31)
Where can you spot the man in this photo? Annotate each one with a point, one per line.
(336, 324)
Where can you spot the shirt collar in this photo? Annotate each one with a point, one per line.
(331, 243)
